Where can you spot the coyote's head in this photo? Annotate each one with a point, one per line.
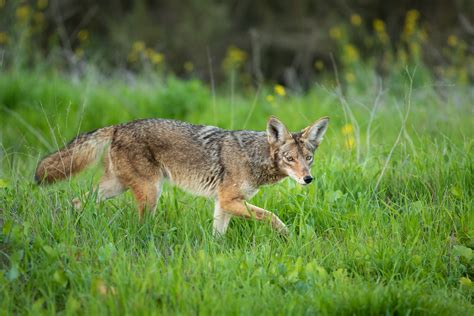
(293, 152)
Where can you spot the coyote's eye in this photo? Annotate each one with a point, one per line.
(309, 158)
(289, 158)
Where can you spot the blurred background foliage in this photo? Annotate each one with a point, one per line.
(293, 43)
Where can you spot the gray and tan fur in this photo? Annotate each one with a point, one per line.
(228, 166)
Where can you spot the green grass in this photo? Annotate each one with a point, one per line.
(387, 227)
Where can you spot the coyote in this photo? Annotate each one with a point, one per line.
(228, 166)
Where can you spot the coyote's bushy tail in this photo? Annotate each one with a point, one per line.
(78, 154)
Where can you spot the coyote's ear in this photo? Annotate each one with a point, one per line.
(276, 131)
(314, 133)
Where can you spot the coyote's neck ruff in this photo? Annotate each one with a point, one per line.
(229, 166)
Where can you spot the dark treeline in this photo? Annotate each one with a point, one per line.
(285, 41)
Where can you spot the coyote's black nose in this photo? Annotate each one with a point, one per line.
(308, 179)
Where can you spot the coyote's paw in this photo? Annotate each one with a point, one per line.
(283, 229)
(279, 226)
(76, 203)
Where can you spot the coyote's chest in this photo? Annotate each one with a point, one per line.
(248, 190)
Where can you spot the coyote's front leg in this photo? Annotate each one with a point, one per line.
(238, 207)
(221, 220)
(262, 214)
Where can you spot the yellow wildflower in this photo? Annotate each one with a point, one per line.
(412, 15)
(270, 98)
(452, 40)
(188, 66)
(234, 58)
(83, 35)
(356, 20)
(3, 38)
(138, 46)
(350, 77)
(347, 129)
(335, 32)
(23, 12)
(157, 58)
(42, 4)
(237, 54)
(408, 29)
(319, 65)
(410, 22)
(280, 90)
(351, 54)
(379, 26)
(350, 143)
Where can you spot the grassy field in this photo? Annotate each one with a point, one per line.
(387, 227)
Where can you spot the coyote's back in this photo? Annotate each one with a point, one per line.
(191, 156)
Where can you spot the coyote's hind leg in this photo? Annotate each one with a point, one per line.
(108, 188)
(109, 185)
(146, 194)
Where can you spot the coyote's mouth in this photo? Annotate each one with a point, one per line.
(299, 180)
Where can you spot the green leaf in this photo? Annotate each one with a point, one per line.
(456, 192)
(13, 273)
(466, 282)
(4, 183)
(340, 274)
(464, 252)
(49, 250)
(7, 226)
(106, 252)
(72, 305)
(60, 277)
(37, 306)
(17, 256)
(417, 206)
(334, 196)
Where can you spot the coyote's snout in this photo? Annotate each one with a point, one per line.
(228, 166)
